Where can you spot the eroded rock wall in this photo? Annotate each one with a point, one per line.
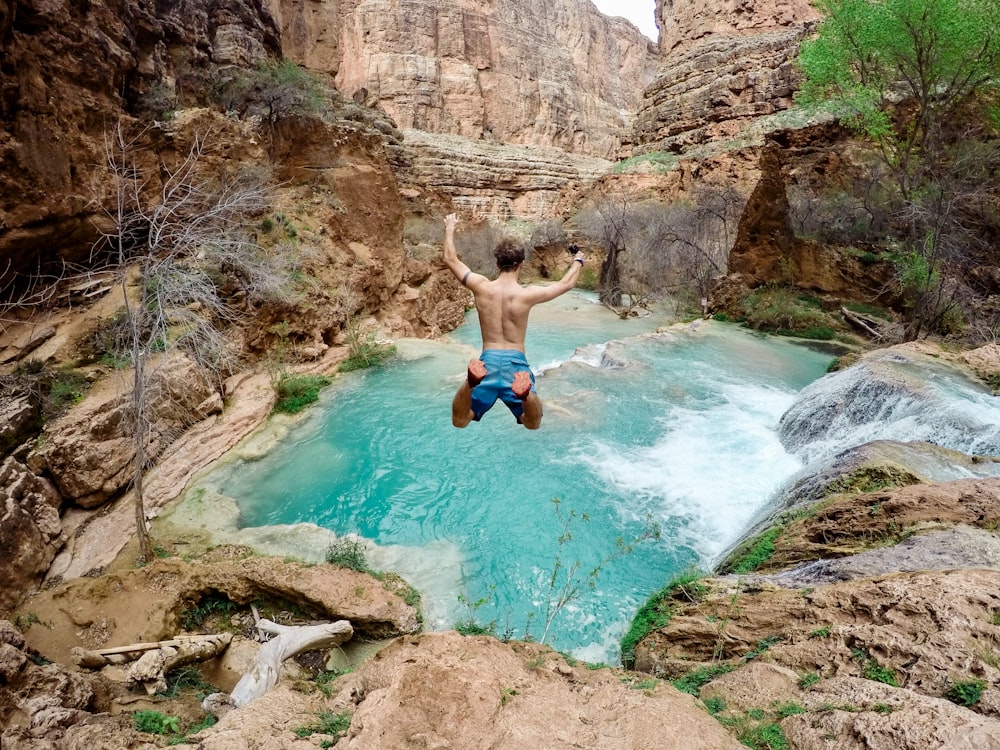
(496, 180)
(531, 72)
(721, 66)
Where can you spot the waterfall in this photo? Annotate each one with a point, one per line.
(892, 396)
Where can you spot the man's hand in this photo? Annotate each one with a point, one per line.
(450, 222)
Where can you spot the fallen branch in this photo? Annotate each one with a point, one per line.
(869, 325)
(151, 662)
(289, 641)
(102, 657)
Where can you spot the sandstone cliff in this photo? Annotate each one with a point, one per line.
(530, 72)
(721, 66)
(69, 70)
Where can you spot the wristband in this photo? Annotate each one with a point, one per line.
(579, 260)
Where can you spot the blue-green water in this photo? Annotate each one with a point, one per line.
(675, 428)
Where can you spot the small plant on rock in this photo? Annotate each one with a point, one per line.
(966, 692)
(153, 722)
(348, 552)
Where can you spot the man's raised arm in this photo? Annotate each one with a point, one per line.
(567, 282)
(450, 255)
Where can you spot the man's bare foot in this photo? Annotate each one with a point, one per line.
(477, 371)
(521, 385)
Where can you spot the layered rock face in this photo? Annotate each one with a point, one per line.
(495, 180)
(532, 72)
(721, 66)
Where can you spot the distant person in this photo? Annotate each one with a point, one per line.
(503, 305)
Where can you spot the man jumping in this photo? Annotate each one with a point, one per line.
(503, 305)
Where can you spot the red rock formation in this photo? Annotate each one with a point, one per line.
(536, 72)
(721, 65)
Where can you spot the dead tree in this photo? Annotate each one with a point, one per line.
(176, 228)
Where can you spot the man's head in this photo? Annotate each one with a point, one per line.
(509, 254)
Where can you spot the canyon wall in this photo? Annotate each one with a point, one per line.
(68, 71)
(530, 72)
(721, 66)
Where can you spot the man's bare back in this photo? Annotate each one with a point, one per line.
(503, 306)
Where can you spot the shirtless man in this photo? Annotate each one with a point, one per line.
(503, 306)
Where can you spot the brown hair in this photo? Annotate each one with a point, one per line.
(509, 254)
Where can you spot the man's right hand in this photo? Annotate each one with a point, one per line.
(450, 222)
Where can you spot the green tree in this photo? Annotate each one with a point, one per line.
(921, 79)
(274, 90)
(936, 55)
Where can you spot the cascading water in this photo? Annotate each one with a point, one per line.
(893, 396)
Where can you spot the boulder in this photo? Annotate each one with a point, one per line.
(89, 451)
(30, 531)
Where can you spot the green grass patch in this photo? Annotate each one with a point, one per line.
(715, 704)
(809, 679)
(471, 627)
(187, 680)
(870, 479)
(762, 646)
(153, 722)
(296, 392)
(658, 609)
(195, 616)
(764, 736)
(787, 312)
(788, 709)
(753, 553)
(872, 670)
(327, 722)
(692, 682)
(655, 162)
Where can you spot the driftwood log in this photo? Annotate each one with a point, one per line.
(151, 662)
(288, 641)
(874, 327)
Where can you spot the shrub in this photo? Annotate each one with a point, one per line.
(296, 392)
(348, 552)
(153, 722)
(784, 311)
(364, 350)
(966, 692)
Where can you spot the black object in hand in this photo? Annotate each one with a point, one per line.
(572, 249)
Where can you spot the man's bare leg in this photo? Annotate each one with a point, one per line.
(461, 405)
(532, 416)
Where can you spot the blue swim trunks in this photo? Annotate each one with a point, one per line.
(501, 366)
